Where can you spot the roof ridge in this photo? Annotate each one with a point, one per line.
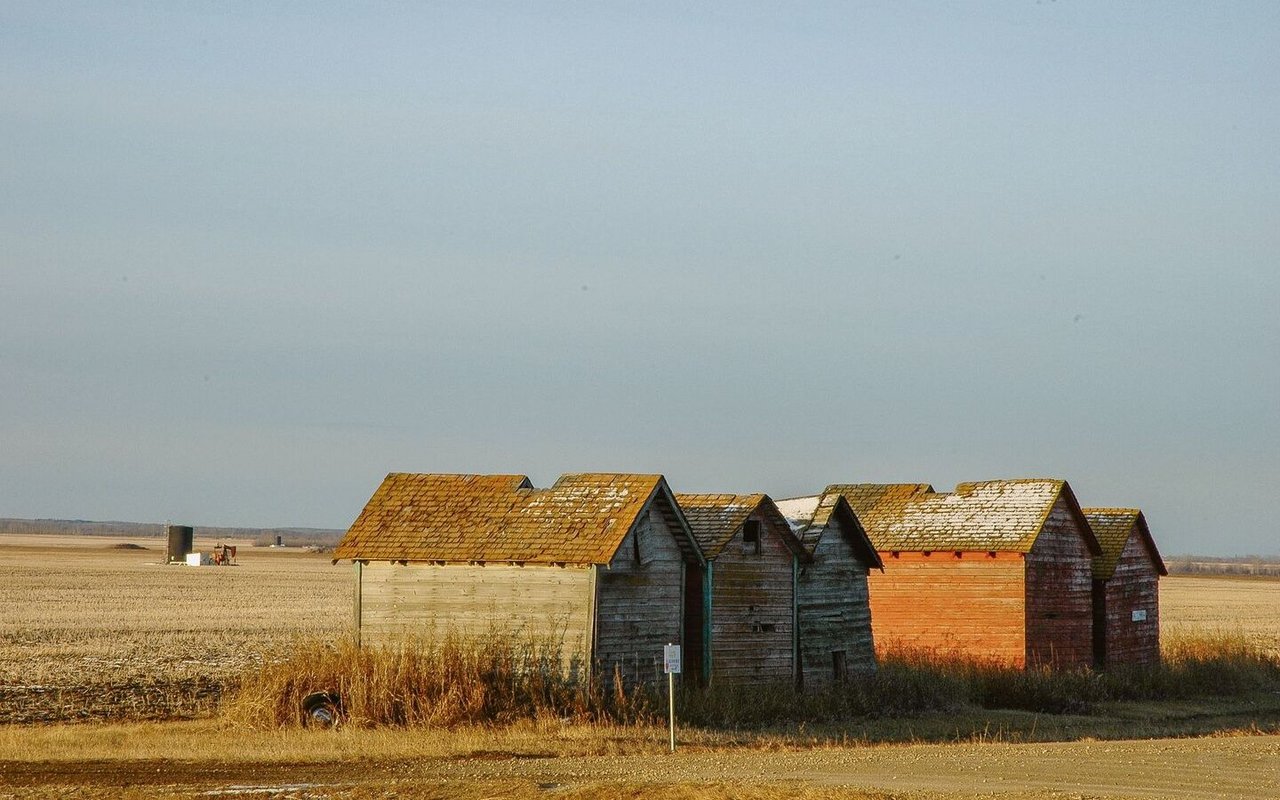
(755, 495)
(610, 474)
(458, 474)
(994, 481)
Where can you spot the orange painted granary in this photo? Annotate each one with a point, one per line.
(997, 570)
(974, 603)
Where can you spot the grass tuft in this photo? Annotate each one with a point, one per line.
(421, 682)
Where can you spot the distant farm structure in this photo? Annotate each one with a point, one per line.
(1245, 566)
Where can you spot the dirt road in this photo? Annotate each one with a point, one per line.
(1191, 769)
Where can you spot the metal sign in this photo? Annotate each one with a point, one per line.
(671, 659)
(671, 666)
(1140, 615)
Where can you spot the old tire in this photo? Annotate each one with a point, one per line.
(321, 710)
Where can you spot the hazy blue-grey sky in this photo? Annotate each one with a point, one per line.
(253, 256)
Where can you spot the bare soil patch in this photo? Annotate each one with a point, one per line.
(1193, 769)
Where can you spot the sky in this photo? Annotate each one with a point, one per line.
(254, 256)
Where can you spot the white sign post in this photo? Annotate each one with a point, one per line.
(671, 666)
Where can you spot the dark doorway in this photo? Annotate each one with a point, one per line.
(839, 668)
(1099, 624)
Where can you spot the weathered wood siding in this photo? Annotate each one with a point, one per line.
(1135, 587)
(831, 604)
(638, 604)
(753, 610)
(431, 600)
(971, 605)
(1060, 593)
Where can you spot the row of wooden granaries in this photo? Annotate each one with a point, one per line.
(611, 567)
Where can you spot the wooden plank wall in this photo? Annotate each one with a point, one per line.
(833, 612)
(753, 611)
(971, 605)
(430, 600)
(1060, 594)
(1135, 586)
(638, 608)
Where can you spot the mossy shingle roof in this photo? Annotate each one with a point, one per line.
(582, 519)
(716, 518)
(998, 515)
(1113, 527)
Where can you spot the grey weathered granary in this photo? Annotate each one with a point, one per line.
(1126, 588)
(748, 588)
(833, 615)
(994, 570)
(597, 561)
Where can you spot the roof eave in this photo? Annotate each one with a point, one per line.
(1086, 529)
(1145, 532)
(662, 489)
(862, 540)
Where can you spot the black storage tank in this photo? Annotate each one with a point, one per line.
(181, 539)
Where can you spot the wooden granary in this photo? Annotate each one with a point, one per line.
(994, 570)
(834, 619)
(1126, 588)
(748, 587)
(597, 561)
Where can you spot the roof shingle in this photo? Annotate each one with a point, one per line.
(582, 519)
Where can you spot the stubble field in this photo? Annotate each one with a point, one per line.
(1195, 605)
(92, 631)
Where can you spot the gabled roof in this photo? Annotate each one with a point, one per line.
(993, 516)
(716, 518)
(877, 500)
(582, 519)
(1113, 526)
(810, 516)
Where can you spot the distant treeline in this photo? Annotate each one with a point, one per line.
(1266, 566)
(292, 537)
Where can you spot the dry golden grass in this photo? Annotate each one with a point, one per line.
(88, 630)
(206, 737)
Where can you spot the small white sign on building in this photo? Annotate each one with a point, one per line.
(1140, 615)
(671, 659)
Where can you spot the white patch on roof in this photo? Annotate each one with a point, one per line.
(798, 511)
(987, 515)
